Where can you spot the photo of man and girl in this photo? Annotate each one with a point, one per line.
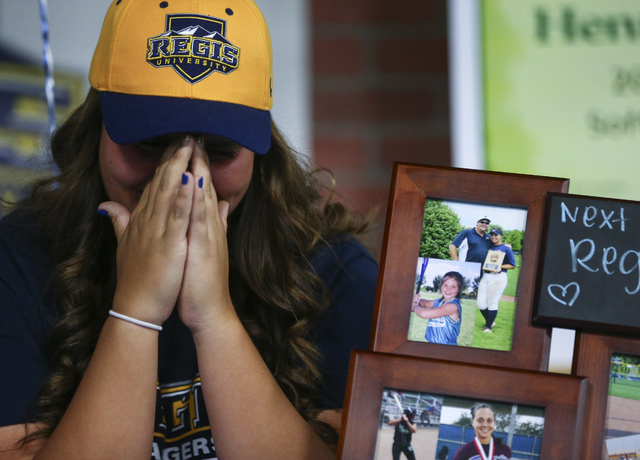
(467, 275)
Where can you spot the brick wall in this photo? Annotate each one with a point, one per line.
(380, 92)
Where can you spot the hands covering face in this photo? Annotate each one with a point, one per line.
(172, 248)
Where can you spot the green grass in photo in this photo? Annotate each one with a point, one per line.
(624, 388)
(513, 276)
(502, 335)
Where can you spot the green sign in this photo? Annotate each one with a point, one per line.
(562, 91)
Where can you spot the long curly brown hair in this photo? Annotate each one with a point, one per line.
(278, 306)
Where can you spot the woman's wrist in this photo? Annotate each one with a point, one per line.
(215, 321)
(137, 322)
(141, 308)
(214, 335)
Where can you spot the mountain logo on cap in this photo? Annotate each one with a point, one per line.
(195, 46)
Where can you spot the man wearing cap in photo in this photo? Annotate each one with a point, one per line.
(478, 242)
(498, 260)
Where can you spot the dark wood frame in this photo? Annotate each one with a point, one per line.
(411, 185)
(561, 395)
(592, 359)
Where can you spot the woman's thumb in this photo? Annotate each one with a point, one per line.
(118, 214)
(223, 210)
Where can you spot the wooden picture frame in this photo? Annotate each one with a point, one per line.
(562, 397)
(592, 359)
(411, 185)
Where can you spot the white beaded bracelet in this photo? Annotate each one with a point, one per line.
(129, 319)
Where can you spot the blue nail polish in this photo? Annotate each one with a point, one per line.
(102, 212)
(185, 179)
(200, 182)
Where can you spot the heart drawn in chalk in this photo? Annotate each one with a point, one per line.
(563, 292)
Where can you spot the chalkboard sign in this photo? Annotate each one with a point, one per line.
(589, 272)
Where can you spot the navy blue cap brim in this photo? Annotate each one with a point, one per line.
(131, 118)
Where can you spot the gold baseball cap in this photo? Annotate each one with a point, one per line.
(193, 66)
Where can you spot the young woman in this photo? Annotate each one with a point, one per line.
(403, 432)
(494, 281)
(178, 290)
(484, 446)
(444, 314)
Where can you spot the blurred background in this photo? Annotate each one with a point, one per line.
(525, 87)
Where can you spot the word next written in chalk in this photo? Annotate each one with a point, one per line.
(585, 254)
(590, 217)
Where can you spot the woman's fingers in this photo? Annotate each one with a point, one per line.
(205, 287)
(200, 161)
(167, 200)
(169, 176)
(119, 216)
(152, 241)
(200, 168)
(179, 216)
(223, 211)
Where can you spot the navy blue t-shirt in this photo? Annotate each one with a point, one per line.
(478, 244)
(26, 317)
(27, 313)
